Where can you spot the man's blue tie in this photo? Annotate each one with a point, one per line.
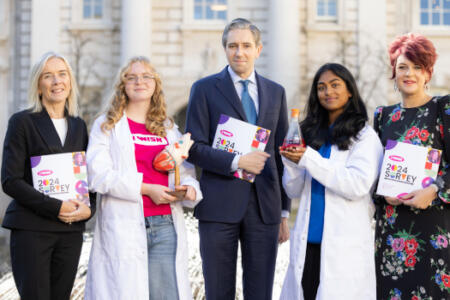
(247, 103)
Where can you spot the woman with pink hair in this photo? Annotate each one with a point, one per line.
(412, 261)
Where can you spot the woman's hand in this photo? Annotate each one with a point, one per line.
(82, 212)
(158, 193)
(67, 207)
(284, 233)
(393, 201)
(294, 154)
(191, 194)
(421, 199)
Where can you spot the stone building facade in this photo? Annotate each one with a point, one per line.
(183, 40)
(298, 36)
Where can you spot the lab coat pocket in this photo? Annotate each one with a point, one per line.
(121, 238)
(348, 258)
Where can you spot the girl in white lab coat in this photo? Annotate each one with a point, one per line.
(139, 249)
(332, 243)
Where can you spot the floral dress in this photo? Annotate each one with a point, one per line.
(412, 246)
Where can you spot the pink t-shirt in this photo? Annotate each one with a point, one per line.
(146, 147)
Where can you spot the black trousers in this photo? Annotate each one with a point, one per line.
(44, 264)
(311, 272)
(219, 247)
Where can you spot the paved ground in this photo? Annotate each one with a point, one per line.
(9, 292)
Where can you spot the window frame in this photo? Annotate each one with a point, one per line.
(430, 11)
(431, 30)
(204, 6)
(190, 23)
(326, 17)
(92, 7)
(338, 24)
(78, 22)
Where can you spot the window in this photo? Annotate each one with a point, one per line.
(327, 9)
(92, 9)
(210, 9)
(91, 15)
(435, 12)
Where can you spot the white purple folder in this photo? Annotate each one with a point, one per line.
(62, 176)
(236, 136)
(407, 167)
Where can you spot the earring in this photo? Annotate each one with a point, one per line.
(395, 87)
(427, 86)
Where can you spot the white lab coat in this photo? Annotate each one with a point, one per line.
(347, 265)
(118, 266)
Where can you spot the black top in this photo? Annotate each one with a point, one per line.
(32, 134)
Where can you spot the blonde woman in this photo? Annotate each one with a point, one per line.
(140, 248)
(46, 233)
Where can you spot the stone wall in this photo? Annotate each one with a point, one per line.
(22, 53)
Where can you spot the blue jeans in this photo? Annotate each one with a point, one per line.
(162, 247)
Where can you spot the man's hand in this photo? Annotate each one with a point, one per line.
(253, 162)
(283, 235)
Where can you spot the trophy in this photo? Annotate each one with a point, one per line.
(171, 158)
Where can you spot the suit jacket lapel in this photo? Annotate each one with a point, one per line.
(226, 87)
(263, 98)
(72, 129)
(47, 131)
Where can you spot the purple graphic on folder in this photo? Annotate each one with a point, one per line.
(35, 160)
(223, 119)
(390, 144)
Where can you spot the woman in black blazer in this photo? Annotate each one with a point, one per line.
(46, 233)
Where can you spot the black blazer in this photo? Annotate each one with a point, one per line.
(30, 134)
(225, 198)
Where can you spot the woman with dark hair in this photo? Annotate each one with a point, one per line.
(332, 255)
(413, 231)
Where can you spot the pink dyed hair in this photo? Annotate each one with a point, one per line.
(416, 48)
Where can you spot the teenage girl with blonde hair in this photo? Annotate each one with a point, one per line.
(139, 249)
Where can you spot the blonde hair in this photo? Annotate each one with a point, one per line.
(156, 115)
(35, 98)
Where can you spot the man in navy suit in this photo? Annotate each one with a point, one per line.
(234, 210)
